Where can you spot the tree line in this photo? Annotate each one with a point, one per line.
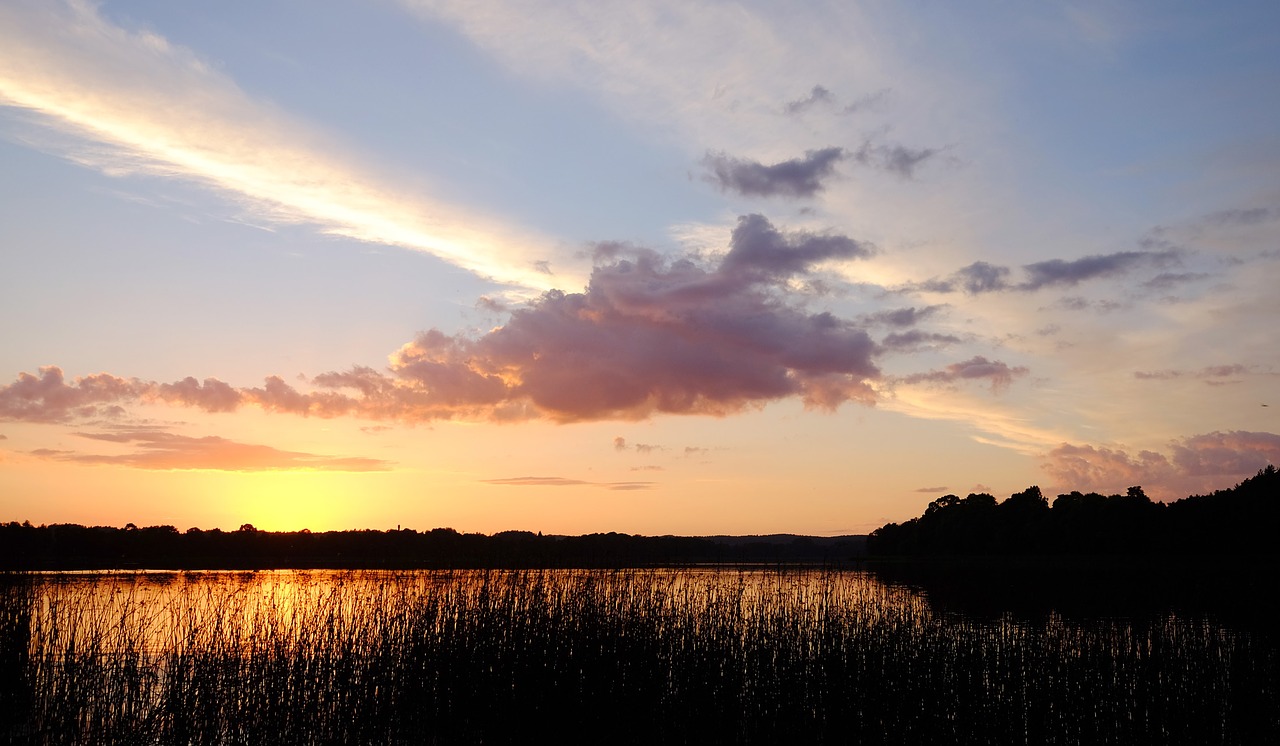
(76, 547)
(1238, 521)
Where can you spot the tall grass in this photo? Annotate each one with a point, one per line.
(591, 656)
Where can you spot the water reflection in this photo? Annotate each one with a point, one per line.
(702, 655)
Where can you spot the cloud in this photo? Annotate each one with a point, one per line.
(798, 177)
(563, 482)
(646, 336)
(901, 317)
(1206, 374)
(1243, 216)
(49, 398)
(997, 373)
(135, 103)
(983, 277)
(868, 101)
(817, 95)
(1057, 272)
(931, 489)
(1194, 465)
(1169, 280)
(896, 159)
(619, 444)
(916, 339)
(170, 451)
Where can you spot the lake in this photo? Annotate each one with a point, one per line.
(630, 656)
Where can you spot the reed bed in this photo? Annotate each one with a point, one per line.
(646, 656)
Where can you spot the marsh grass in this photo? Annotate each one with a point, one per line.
(645, 656)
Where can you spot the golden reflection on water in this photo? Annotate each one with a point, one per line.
(164, 612)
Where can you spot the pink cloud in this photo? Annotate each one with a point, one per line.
(170, 451)
(1194, 465)
(1000, 375)
(646, 336)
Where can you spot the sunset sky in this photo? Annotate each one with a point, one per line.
(651, 267)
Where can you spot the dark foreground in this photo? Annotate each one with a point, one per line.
(647, 656)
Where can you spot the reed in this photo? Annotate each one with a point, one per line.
(646, 656)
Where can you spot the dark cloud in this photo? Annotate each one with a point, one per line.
(983, 277)
(931, 490)
(896, 159)
(902, 317)
(619, 443)
(798, 177)
(646, 336)
(1058, 272)
(758, 250)
(170, 451)
(817, 95)
(1193, 465)
(997, 373)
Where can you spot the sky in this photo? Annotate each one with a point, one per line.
(648, 267)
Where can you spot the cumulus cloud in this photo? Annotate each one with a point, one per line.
(170, 451)
(997, 373)
(798, 177)
(1193, 465)
(646, 336)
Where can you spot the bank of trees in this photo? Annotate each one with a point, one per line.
(75, 547)
(1236, 521)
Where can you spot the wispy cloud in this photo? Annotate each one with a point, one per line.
(148, 106)
(170, 451)
(982, 277)
(563, 482)
(998, 374)
(896, 159)
(1208, 374)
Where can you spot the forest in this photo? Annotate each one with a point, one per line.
(1239, 521)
